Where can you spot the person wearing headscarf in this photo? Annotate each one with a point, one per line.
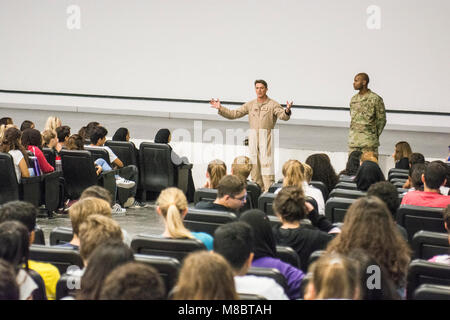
(265, 251)
(368, 173)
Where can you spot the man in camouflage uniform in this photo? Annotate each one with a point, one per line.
(263, 113)
(368, 117)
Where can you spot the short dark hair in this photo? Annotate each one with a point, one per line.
(62, 132)
(21, 211)
(415, 174)
(133, 281)
(31, 137)
(263, 82)
(416, 157)
(365, 76)
(435, 174)
(14, 243)
(290, 204)
(387, 192)
(230, 185)
(27, 124)
(234, 241)
(98, 133)
(9, 290)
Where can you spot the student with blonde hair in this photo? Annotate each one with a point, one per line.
(52, 123)
(216, 170)
(205, 276)
(368, 156)
(49, 139)
(172, 206)
(401, 155)
(241, 167)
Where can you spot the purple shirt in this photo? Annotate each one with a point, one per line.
(293, 275)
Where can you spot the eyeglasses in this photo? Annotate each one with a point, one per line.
(242, 199)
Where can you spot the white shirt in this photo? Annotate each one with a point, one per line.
(17, 157)
(317, 195)
(265, 287)
(26, 284)
(112, 155)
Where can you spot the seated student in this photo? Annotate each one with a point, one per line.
(416, 157)
(27, 124)
(322, 170)
(265, 251)
(26, 213)
(368, 156)
(241, 167)
(62, 133)
(352, 165)
(49, 139)
(173, 207)
(3, 129)
(445, 188)
(433, 178)
(293, 173)
(444, 258)
(11, 144)
(52, 123)
(87, 130)
(235, 242)
(387, 193)
(205, 276)
(133, 281)
(401, 155)
(290, 206)
(102, 193)
(105, 258)
(216, 170)
(368, 225)
(9, 290)
(31, 140)
(368, 173)
(98, 139)
(14, 248)
(231, 196)
(5, 121)
(333, 276)
(164, 136)
(414, 181)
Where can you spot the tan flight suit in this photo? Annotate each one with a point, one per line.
(262, 118)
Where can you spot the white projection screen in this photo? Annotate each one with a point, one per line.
(307, 50)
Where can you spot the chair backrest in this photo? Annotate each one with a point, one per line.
(50, 155)
(426, 244)
(60, 235)
(157, 171)
(314, 256)
(274, 221)
(398, 175)
(125, 151)
(9, 188)
(425, 272)
(39, 293)
(345, 193)
(249, 296)
(416, 218)
(97, 153)
(322, 187)
(288, 255)
(432, 292)
(167, 267)
(275, 186)
(335, 208)
(61, 258)
(67, 285)
(208, 221)
(265, 201)
(205, 194)
(79, 171)
(346, 185)
(398, 181)
(176, 248)
(392, 170)
(345, 178)
(271, 273)
(253, 192)
(39, 236)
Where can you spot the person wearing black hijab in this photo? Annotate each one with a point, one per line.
(265, 251)
(368, 173)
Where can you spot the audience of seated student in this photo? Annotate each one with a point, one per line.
(293, 173)
(62, 133)
(368, 173)
(241, 167)
(322, 170)
(133, 281)
(231, 196)
(433, 178)
(173, 207)
(352, 165)
(444, 258)
(368, 225)
(387, 192)
(205, 276)
(235, 242)
(290, 206)
(14, 248)
(333, 276)
(216, 170)
(401, 155)
(414, 181)
(9, 290)
(265, 251)
(101, 193)
(27, 124)
(128, 173)
(52, 123)
(104, 259)
(11, 144)
(164, 136)
(26, 213)
(32, 141)
(49, 139)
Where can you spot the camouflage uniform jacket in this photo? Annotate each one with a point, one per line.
(368, 118)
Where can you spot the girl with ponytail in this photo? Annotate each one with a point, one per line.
(217, 169)
(173, 207)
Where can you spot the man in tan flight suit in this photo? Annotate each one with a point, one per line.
(263, 113)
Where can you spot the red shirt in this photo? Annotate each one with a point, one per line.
(426, 199)
(43, 163)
